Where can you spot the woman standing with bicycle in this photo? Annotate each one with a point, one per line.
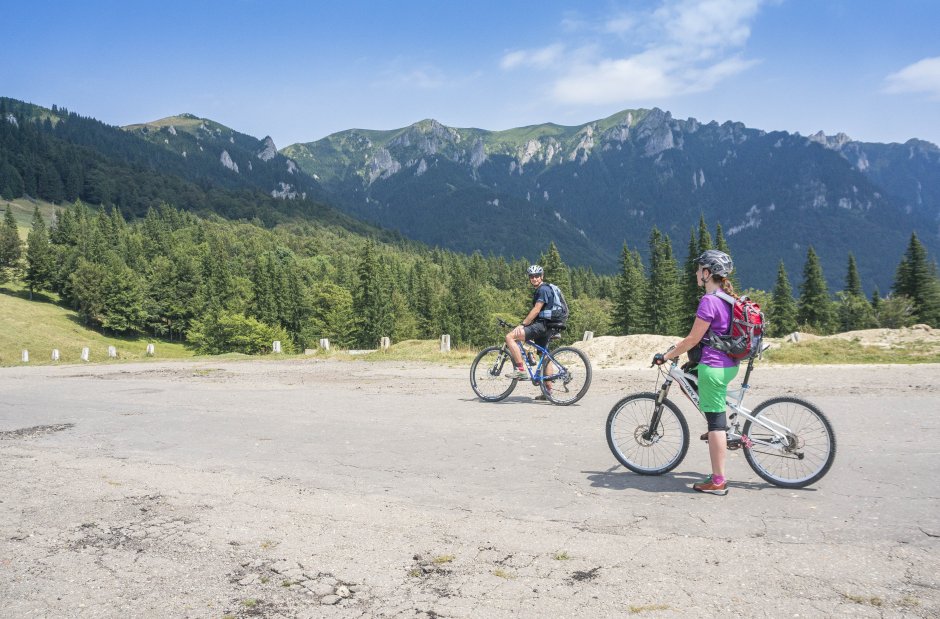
(715, 368)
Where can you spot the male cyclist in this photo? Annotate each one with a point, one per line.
(533, 327)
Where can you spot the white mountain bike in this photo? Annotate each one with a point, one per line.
(787, 441)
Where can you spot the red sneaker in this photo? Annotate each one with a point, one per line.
(711, 487)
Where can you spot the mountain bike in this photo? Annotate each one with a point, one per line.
(566, 380)
(788, 441)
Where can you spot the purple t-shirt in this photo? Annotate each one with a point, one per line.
(716, 312)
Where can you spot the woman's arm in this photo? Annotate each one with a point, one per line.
(699, 329)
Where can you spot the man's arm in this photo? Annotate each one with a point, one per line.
(519, 332)
(532, 315)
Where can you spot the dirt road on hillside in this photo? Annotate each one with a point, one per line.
(352, 489)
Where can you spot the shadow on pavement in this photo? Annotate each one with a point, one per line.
(617, 478)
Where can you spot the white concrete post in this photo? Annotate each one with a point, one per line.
(85, 354)
(324, 343)
(276, 346)
(112, 352)
(588, 335)
(150, 350)
(25, 356)
(386, 342)
(55, 354)
(445, 343)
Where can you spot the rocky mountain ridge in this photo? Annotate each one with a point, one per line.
(613, 179)
(258, 162)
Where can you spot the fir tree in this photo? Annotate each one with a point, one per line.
(853, 310)
(814, 311)
(916, 278)
(555, 270)
(691, 291)
(853, 283)
(39, 257)
(631, 289)
(782, 314)
(373, 302)
(664, 302)
(722, 245)
(11, 246)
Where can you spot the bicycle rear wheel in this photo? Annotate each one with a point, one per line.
(640, 446)
(806, 452)
(486, 374)
(574, 376)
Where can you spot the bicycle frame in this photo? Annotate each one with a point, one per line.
(545, 356)
(782, 436)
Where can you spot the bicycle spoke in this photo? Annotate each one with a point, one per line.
(568, 376)
(486, 374)
(636, 446)
(797, 457)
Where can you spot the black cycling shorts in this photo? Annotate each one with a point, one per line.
(538, 332)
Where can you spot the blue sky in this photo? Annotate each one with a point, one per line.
(298, 71)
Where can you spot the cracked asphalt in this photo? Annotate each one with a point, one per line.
(304, 488)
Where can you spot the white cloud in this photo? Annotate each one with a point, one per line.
(680, 47)
(538, 58)
(922, 76)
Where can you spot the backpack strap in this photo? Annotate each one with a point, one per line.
(721, 294)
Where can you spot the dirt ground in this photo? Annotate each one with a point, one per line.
(308, 488)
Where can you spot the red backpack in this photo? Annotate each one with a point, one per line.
(743, 339)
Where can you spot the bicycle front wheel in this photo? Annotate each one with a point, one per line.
(796, 449)
(643, 444)
(486, 374)
(573, 371)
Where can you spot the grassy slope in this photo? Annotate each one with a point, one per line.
(22, 210)
(41, 326)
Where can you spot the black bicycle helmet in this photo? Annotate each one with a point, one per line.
(534, 270)
(718, 262)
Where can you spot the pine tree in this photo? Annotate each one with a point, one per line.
(11, 246)
(853, 310)
(690, 288)
(629, 316)
(122, 310)
(853, 283)
(373, 302)
(782, 312)
(722, 245)
(815, 307)
(556, 271)
(332, 316)
(704, 237)
(39, 256)
(664, 301)
(916, 278)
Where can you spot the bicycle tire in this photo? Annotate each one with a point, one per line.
(575, 379)
(811, 448)
(630, 419)
(486, 374)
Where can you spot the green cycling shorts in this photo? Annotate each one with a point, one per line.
(713, 386)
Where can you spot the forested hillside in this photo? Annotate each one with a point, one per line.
(235, 286)
(59, 156)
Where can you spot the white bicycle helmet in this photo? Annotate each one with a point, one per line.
(534, 270)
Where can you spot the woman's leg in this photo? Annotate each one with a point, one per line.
(713, 387)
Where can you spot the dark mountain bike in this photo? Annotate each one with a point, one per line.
(787, 441)
(563, 374)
